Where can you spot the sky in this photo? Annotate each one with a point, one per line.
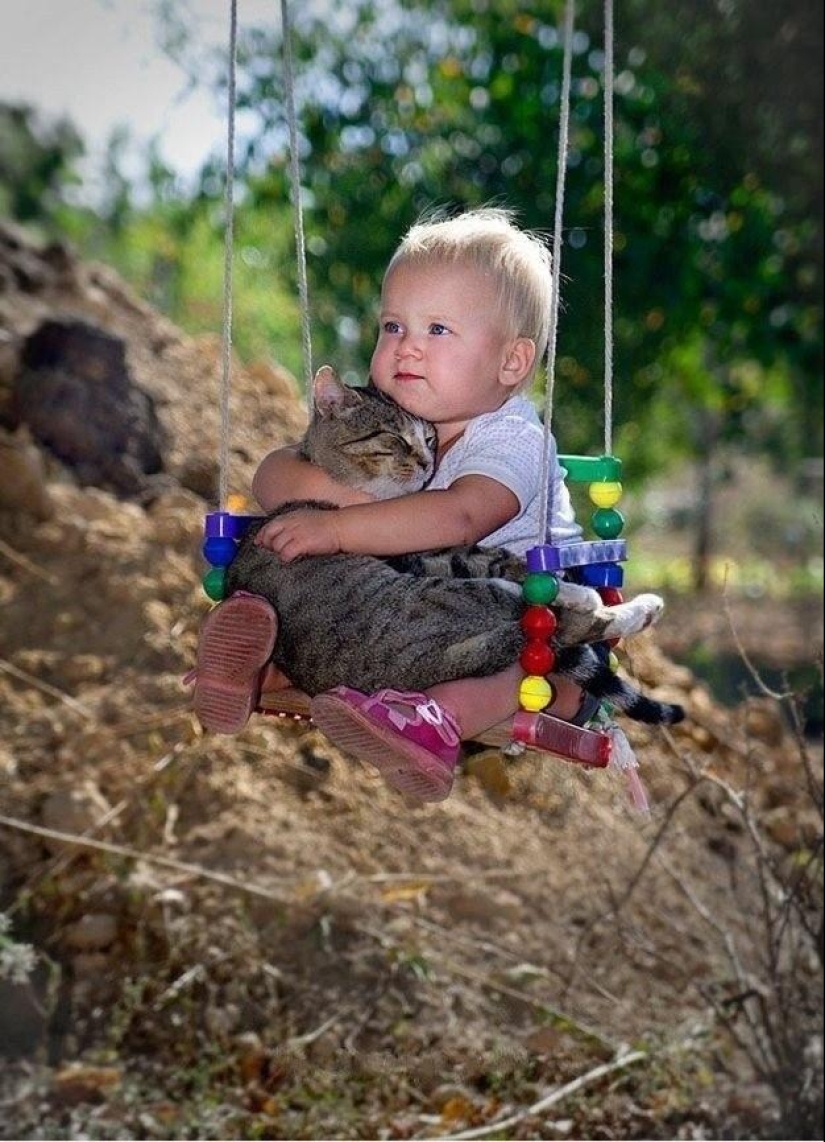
(98, 62)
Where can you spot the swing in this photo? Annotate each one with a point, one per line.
(596, 562)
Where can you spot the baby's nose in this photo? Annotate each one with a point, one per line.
(408, 344)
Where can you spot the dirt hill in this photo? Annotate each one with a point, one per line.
(256, 938)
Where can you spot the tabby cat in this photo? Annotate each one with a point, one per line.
(408, 622)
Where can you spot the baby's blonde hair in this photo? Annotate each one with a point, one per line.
(488, 239)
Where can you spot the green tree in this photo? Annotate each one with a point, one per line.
(457, 103)
(37, 163)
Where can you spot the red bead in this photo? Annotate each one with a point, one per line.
(537, 658)
(611, 596)
(539, 622)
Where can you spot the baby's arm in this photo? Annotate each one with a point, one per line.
(285, 475)
(470, 509)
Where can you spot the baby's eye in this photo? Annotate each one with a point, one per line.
(438, 329)
(390, 327)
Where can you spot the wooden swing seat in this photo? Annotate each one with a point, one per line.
(542, 733)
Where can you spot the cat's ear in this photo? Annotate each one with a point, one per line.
(329, 393)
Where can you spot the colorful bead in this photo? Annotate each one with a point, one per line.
(214, 583)
(607, 523)
(611, 596)
(561, 557)
(539, 622)
(540, 587)
(613, 662)
(602, 575)
(605, 495)
(219, 550)
(535, 693)
(537, 657)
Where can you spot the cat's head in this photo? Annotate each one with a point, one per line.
(363, 439)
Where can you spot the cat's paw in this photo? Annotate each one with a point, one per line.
(649, 607)
(637, 615)
(577, 598)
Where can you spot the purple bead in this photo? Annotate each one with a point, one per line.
(550, 557)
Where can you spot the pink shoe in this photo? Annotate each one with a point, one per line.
(409, 738)
(236, 640)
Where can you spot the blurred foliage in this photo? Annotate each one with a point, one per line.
(717, 254)
(37, 163)
(448, 103)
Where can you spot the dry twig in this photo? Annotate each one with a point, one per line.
(15, 556)
(551, 1099)
(194, 870)
(30, 680)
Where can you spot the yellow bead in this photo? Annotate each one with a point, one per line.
(535, 693)
(236, 503)
(606, 494)
(613, 662)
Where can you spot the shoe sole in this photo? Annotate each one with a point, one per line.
(236, 641)
(407, 768)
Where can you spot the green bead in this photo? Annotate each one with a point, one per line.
(540, 588)
(214, 583)
(607, 523)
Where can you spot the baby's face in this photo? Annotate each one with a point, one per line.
(442, 345)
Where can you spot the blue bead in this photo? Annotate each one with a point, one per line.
(602, 575)
(219, 551)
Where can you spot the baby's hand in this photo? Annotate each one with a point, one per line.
(304, 532)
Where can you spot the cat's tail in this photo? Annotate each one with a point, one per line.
(584, 666)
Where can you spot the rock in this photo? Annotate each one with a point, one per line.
(22, 1019)
(72, 811)
(475, 905)
(76, 394)
(763, 721)
(83, 668)
(23, 476)
(491, 771)
(199, 474)
(92, 932)
(76, 1083)
(177, 518)
(89, 965)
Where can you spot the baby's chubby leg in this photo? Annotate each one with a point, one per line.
(479, 703)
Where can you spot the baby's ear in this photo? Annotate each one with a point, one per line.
(329, 393)
(518, 363)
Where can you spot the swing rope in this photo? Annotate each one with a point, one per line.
(545, 505)
(609, 127)
(229, 238)
(563, 143)
(297, 202)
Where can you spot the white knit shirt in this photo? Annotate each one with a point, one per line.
(508, 446)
